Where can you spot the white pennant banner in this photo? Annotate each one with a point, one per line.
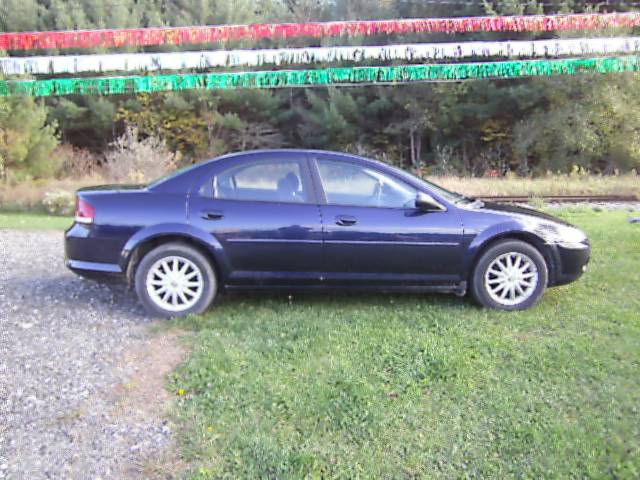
(74, 64)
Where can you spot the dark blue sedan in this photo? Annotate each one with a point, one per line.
(308, 219)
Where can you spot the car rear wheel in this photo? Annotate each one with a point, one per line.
(510, 275)
(174, 280)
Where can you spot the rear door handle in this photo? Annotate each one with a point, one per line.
(346, 220)
(212, 215)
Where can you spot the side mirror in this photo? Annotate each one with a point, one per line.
(427, 203)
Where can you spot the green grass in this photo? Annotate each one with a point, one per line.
(419, 386)
(33, 221)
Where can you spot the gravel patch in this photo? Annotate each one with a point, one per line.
(81, 377)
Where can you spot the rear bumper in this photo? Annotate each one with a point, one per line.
(571, 263)
(88, 256)
(96, 271)
(106, 268)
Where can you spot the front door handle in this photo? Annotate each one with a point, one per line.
(212, 215)
(346, 220)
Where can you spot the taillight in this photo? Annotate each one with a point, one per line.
(85, 213)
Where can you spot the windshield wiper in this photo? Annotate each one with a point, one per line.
(464, 199)
(471, 201)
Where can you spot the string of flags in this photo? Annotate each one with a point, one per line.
(327, 76)
(513, 59)
(146, 62)
(138, 37)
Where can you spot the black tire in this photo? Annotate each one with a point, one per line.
(480, 289)
(183, 251)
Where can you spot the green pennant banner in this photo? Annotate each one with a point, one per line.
(320, 77)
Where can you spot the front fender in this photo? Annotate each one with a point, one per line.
(188, 232)
(508, 229)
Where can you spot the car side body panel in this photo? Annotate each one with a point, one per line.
(176, 231)
(392, 246)
(120, 217)
(264, 242)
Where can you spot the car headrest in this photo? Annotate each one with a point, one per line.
(289, 184)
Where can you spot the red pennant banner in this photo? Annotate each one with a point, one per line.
(222, 33)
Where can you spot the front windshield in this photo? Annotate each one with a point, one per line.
(447, 195)
(452, 197)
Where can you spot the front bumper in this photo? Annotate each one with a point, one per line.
(570, 263)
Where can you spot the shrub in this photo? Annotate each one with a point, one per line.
(59, 202)
(30, 194)
(134, 160)
(76, 162)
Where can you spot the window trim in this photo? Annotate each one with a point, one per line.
(322, 195)
(305, 173)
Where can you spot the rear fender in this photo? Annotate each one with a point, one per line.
(188, 232)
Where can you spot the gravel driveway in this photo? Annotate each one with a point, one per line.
(81, 376)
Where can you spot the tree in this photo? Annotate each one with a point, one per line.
(86, 122)
(171, 117)
(594, 124)
(525, 126)
(20, 15)
(26, 140)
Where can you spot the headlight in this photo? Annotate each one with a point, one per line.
(563, 235)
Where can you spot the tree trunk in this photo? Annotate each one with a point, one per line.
(465, 159)
(411, 147)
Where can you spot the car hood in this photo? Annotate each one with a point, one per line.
(517, 211)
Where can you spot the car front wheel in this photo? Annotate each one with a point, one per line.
(510, 275)
(174, 280)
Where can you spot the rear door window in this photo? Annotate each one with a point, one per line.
(263, 181)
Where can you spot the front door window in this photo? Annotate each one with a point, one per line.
(354, 185)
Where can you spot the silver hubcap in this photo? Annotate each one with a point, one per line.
(175, 283)
(511, 278)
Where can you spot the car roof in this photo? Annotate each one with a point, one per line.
(284, 150)
(182, 178)
(301, 151)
